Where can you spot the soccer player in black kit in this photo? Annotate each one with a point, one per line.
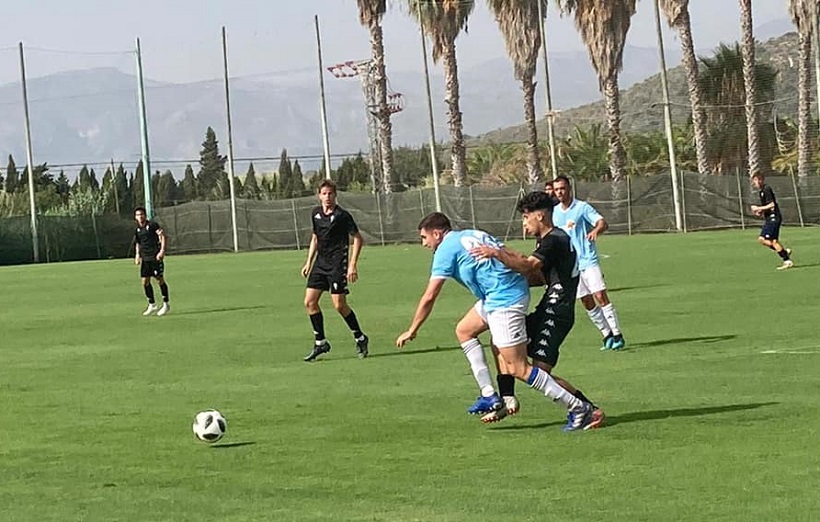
(150, 254)
(554, 264)
(328, 268)
(770, 212)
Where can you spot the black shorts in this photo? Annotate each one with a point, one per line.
(546, 333)
(770, 230)
(152, 268)
(334, 282)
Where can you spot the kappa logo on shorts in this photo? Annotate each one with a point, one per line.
(335, 286)
(541, 352)
(543, 342)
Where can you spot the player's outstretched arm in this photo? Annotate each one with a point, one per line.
(352, 266)
(311, 255)
(512, 259)
(423, 310)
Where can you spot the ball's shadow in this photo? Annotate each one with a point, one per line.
(233, 444)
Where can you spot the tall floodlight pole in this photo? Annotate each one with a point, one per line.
(230, 139)
(322, 101)
(35, 242)
(667, 120)
(548, 90)
(816, 44)
(430, 120)
(146, 158)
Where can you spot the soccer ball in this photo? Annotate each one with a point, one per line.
(209, 426)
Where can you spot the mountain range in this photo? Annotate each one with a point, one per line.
(90, 116)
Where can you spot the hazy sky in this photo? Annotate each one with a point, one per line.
(181, 38)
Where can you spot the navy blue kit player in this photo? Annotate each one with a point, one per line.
(770, 212)
(331, 264)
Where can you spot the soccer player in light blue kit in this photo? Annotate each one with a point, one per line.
(503, 298)
(584, 224)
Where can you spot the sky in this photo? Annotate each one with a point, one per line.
(181, 39)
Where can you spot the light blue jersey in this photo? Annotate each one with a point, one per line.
(578, 220)
(488, 279)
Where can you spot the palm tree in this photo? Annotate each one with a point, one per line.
(677, 14)
(722, 83)
(520, 24)
(748, 52)
(442, 21)
(370, 16)
(603, 26)
(801, 12)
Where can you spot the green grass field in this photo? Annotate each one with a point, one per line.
(713, 409)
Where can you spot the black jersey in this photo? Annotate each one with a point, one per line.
(333, 233)
(560, 269)
(148, 240)
(767, 196)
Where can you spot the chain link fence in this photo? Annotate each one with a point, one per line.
(638, 205)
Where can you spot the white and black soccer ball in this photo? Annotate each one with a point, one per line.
(209, 426)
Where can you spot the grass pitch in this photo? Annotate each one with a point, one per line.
(713, 408)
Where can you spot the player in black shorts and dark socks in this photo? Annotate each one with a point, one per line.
(150, 255)
(328, 268)
(553, 264)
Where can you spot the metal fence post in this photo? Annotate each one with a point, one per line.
(421, 202)
(740, 199)
(629, 204)
(683, 199)
(295, 224)
(472, 206)
(796, 198)
(379, 210)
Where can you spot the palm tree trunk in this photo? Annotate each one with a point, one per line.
(534, 172)
(383, 114)
(804, 105)
(690, 63)
(748, 52)
(617, 154)
(458, 152)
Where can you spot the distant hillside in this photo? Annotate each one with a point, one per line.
(641, 104)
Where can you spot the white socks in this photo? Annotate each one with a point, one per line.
(611, 318)
(478, 364)
(541, 380)
(596, 315)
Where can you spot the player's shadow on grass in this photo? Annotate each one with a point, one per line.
(219, 310)
(637, 287)
(806, 265)
(706, 339)
(397, 351)
(233, 445)
(641, 416)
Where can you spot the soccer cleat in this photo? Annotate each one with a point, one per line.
(318, 349)
(511, 407)
(361, 346)
(607, 343)
(164, 309)
(511, 402)
(484, 405)
(617, 343)
(598, 418)
(579, 420)
(786, 265)
(151, 309)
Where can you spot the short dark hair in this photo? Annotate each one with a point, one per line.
(329, 183)
(141, 209)
(564, 179)
(549, 183)
(758, 175)
(435, 221)
(535, 201)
